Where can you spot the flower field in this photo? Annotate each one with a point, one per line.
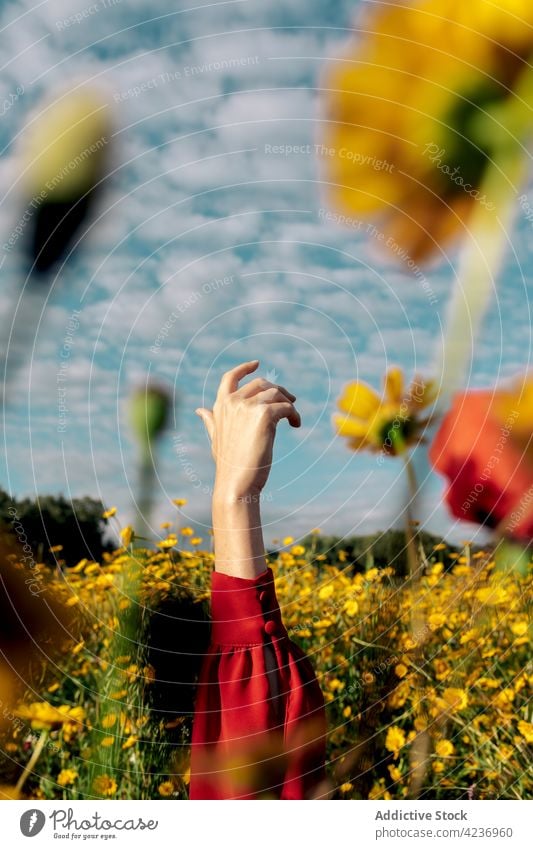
(427, 682)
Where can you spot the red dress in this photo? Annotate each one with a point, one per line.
(259, 722)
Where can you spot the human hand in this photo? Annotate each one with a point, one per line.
(242, 427)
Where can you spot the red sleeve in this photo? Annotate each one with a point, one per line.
(259, 723)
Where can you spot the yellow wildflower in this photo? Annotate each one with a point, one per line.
(455, 699)
(526, 730)
(67, 776)
(389, 424)
(104, 785)
(444, 748)
(169, 542)
(166, 788)
(127, 535)
(395, 739)
(108, 514)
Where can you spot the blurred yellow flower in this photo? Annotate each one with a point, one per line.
(179, 502)
(416, 111)
(351, 607)
(455, 699)
(42, 715)
(389, 424)
(526, 730)
(444, 748)
(325, 592)
(67, 776)
(129, 742)
(395, 739)
(104, 785)
(169, 542)
(297, 550)
(400, 670)
(187, 532)
(108, 514)
(127, 535)
(288, 540)
(166, 788)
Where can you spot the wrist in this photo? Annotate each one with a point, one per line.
(229, 497)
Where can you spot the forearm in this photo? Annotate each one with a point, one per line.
(238, 535)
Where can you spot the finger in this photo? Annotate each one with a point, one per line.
(284, 410)
(230, 380)
(259, 384)
(208, 420)
(269, 396)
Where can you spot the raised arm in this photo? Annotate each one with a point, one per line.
(259, 725)
(242, 427)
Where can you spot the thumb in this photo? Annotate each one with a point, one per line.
(207, 418)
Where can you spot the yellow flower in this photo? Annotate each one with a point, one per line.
(131, 740)
(394, 772)
(395, 739)
(351, 607)
(400, 670)
(378, 790)
(444, 748)
(166, 788)
(519, 628)
(127, 535)
(196, 541)
(104, 785)
(504, 699)
(108, 514)
(107, 742)
(347, 712)
(336, 684)
(526, 730)
(165, 525)
(179, 502)
(109, 720)
(346, 787)
(325, 592)
(438, 767)
(413, 127)
(67, 776)
(298, 550)
(42, 715)
(389, 424)
(455, 699)
(288, 540)
(169, 542)
(187, 532)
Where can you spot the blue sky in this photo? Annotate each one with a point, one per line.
(204, 191)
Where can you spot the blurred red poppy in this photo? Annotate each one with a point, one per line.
(489, 469)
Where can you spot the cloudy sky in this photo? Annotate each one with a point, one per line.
(212, 215)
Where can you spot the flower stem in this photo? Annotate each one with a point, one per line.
(480, 262)
(28, 769)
